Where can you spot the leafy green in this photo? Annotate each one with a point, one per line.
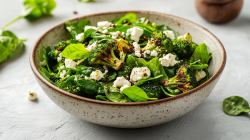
(168, 94)
(136, 94)
(136, 62)
(235, 105)
(197, 66)
(130, 17)
(201, 53)
(156, 68)
(203, 80)
(44, 72)
(90, 87)
(146, 79)
(147, 30)
(145, 21)
(102, 98)
(87, 34)
(164, 28)
(34, 9)
(76, 27)
(75, 51)
(9, 45)
(114, 95)
(86, 0)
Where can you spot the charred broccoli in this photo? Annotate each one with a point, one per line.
(125, 71)
(60, 46)
(184, 80)
(156, 40)
(153, 90)
(183, 46)
(103, 54)
(123, 47)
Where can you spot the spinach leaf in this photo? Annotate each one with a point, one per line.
(34, 9)
(147, 79)
(90, 87)
(168, 94)
(86, 0)
(136, 94)
(76, 27)
(203, 80)
(44, 72)
(136, 62)
(201, 53)
(114, 95)
(164, 28)
(197, 65)
(87, 34)
(130, 17)
(145, 21)
(147, 30)
(123, 28)
(75, 51)
(156, 68)
(112, 76)
(235, 105)
(44, 55)
(9, 45)
(102, 98)
(171, 70)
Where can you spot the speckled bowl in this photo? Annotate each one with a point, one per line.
(133, 115)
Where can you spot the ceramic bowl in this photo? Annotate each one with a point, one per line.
(136, 114)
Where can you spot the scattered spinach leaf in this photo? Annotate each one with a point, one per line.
(235, 105)
(75, 51)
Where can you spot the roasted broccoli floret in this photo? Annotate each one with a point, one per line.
(103, 54)
(123, 47)
(184, 80)
(153, 90)
(60, 46)
(183, 46)
(54, 54)
(125, 71)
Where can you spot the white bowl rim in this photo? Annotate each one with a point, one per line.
(50, 85)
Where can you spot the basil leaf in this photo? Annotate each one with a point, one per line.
(76, 27)
(75, 51)
(114, 95)
(136, 94)
(156, 68)
(34, 9)
(147, 79)
(201, 53)
(235, 105)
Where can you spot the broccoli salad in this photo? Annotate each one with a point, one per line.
(125, 60)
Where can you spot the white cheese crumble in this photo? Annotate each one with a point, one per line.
(32, 95)
(62, 74)
(139, 73)
(86, 77)
(69, 63)
(123, 33)
(135, 32)
(137, 49)
(154, 53)
(138, 53)
(102, 24)
(89, 27)
(96, 75)
(114, 35)
(121, 81)
(123, 87)
(105, 31)
(91, 47)
(62, 67)
(169, 34)
(168, 60)
(106, 69)
(59, 58)
(79, 37)
(146, 52)
(199, 74)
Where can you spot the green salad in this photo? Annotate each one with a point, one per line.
(125, 60)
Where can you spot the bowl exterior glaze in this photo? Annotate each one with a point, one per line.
(133, 115)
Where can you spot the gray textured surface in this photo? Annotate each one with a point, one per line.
(23, 119)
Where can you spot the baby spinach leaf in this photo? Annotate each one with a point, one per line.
(9, 45)
(112, 76)
(145, 21)
(168, 94)
(156, 68)
(136, 94)
(87, 34)
(75, 51)
(102, 98)
(34, 9)
(123, 28)
(86, 0)
(164, 28)
(201, 53)
(136, 62)
(147, 79)
(197, 65)
(147, 30)
(114, 95)
(235, 105)
(90, 87)
(44, 72)
(130, 17)
(76, 27)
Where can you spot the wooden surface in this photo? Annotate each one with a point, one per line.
(23, 119)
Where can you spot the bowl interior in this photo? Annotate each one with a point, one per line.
(182, 26)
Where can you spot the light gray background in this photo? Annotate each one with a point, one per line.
(24, 119)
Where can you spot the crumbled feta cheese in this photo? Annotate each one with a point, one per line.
(199, 74)
(69, 63)
(139, 73)
(135, 32)
(59, 58)
(146, 52)
(86, 77)
(169, 34)
(154, 53)
(43, 63)
(105, 31)
(102, 24)
(68, 76)
(123, 33)
(89, 27)
(79, 37)
(168, 60)
(62, 74)
(136, 46)
(123, 87)
(91, 47)
(121, 81)
(96, 75)
(32, 95)
(62, 67)
(138, 53)
(114, 34)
